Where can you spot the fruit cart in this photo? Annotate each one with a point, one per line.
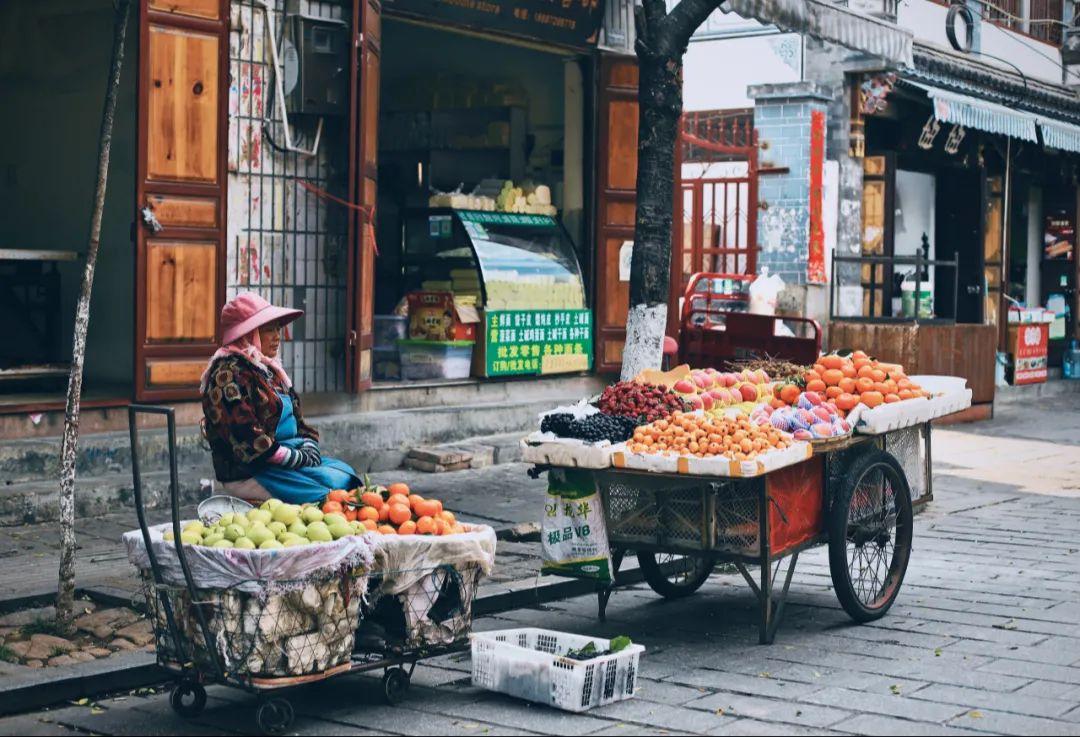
(715, 327)
(226, 636)
(855, 494)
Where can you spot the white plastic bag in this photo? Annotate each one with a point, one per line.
(573, 532)
(764, 293)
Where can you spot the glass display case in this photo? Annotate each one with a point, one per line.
(510, 261)
(524, 273)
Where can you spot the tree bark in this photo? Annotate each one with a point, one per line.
(65, 597)
(662, 39)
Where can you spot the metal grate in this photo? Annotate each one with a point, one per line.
(906, 445)
(284, 242)
(683, 515)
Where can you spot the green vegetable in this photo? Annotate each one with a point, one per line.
(620, 643)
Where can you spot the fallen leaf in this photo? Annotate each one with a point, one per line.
(719, 712)
(975, 714)
(95, 710)
(1010, 625)
(937, 652)
(81, 702)
(895, 689)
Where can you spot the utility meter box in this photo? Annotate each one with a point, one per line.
(316, 66)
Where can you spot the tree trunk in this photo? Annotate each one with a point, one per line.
(660, 107)
(662, 39)
(65, 597)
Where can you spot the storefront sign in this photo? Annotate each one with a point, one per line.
(569, 22)
(1030, 346)
(1058, 235)
(522, 342)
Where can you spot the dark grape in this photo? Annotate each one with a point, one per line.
(593, 428)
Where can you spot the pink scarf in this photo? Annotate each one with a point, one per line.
(250, 347)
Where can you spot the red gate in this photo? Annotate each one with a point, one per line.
(716, 198)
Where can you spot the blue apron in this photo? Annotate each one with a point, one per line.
(303, 485)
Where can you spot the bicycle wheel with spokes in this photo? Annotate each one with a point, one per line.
(870, 531)
(672, 575)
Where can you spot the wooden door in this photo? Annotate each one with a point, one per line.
(180, 193)
(364, 153)
(616, 183)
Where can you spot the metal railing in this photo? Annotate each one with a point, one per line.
(884, 287)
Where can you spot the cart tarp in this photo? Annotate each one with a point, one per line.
(403, 560)
(251, 571)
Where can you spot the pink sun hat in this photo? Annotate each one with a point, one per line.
(247, 311)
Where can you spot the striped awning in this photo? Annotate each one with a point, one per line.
(1060, 135)
(951, 107)
(831, 22)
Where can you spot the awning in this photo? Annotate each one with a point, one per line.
(829, 22)
(1060, 135)
(950, 107)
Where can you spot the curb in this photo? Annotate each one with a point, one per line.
(29, 689)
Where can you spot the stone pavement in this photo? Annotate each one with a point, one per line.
(985, 636)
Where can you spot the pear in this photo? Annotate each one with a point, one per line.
(197, 527)
(234, 532)
(259, 534)
(272, 504)
(291, 541)
(226, 519)
(318, 532)
(271, 545)
(168, 536)
(210, 540)
(287, 514)
(223, 543)
(311, 514)
(244, 543)
(278, 528)
(334, 518)
(340, 529)
(191, 538)
(260, 516)
(298, 528)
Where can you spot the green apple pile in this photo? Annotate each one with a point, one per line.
(271, 526)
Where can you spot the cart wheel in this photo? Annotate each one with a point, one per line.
(870, 530)
(274, 716)
(691, 572)
(188, 699)
(395, 683)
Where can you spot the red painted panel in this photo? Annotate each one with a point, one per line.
(796, 509)
(815, 260)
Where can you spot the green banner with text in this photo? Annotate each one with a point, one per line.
(522, 342)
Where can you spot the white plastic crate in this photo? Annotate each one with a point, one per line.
(529, 663)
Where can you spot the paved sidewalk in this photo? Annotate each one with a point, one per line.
(985, 636)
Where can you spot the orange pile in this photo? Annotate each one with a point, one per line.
(707, 435)
(849, 380)
(393, 511)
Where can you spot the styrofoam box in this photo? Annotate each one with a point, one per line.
(529, 663)
(546, 449)
(888, 417)
(795, 453)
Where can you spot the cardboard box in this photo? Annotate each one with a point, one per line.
(439, 316)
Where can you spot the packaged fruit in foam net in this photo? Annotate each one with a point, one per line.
(704, 436)
(850, 379)
(810, 418)
(708, 389)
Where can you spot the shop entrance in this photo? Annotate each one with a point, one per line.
(958, 235)
(480, 208)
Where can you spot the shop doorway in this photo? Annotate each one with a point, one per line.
(480, 202)
(959, 236)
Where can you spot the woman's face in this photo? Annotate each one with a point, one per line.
(270, 337)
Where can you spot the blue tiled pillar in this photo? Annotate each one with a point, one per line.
(782, 116)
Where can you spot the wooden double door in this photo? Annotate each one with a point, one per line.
(182, 190)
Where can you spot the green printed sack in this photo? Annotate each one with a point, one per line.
(572, 531)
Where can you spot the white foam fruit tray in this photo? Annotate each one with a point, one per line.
(888, 417)
(530, 663)
(547, 449)
(795, 453)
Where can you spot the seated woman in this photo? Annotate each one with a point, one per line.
(260, 444)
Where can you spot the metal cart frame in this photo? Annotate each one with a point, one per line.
(274, 713)
(770, 492)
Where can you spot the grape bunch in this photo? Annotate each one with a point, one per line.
(593, 428)
(644, 402)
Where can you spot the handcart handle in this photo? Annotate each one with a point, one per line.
(140, 510)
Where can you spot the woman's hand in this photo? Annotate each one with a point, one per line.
(309, 449)
(305, 454)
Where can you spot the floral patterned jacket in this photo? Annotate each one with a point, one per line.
(241, 409)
